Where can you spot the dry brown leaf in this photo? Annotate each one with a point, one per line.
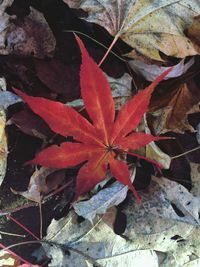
(193, 32)
(36, 186)
(147, 26)
(170, 111)
(30, 37)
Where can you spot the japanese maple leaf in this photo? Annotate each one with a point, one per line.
(99, 143)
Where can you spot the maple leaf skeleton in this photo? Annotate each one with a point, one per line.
(98, 143)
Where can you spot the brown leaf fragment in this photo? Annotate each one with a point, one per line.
(31, 124)
(30, 37)
(37, 185)
(170, 111)
(193, 32)
(68, 82)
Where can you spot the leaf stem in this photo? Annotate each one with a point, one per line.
(109, 49)
(99, 43)
(185, 153)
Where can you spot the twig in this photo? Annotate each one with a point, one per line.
(20, 224)
(185, 153)
(109, 49)
(99, 43)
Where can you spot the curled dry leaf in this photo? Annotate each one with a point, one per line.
(150, 72)
(149, 27)
(170, 110)
(37, 185)
(193, 33)
(103, 143)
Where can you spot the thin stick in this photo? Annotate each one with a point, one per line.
(109, 49)
(104, 46)
(185, 153)
(11, 234)
(41, 219)
(21, 225)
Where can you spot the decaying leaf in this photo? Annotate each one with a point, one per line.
(103, 143)
(149, 227)
(150, 72)
(94, 245)
(37, 185)
(155, 226)
(149, 27)
(8, 260)
(170, 110)
(194, 33)
(3, 138)
(32, 37)
(103, 200)
(121, 91)
(49, 71)
(31, 124)
(5, 25)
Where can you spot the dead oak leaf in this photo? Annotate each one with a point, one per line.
(147, 26)
(102, 143)
(170, 111)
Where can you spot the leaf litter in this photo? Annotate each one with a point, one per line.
(164, 230)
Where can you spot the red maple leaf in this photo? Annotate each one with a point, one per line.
(100, 142)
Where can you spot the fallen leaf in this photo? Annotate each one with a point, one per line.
(154, 226)
(31, 124)
(148, 27)
(170, 111)
(68, 82)
(30, 37)
(3, 138)
(37, 185)
(7, 99)
(8, 260)
(193, 32)
(102, 141)
(151, 71)
(5, 25)
(93, 245)
(103, 200)
(42, 182)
